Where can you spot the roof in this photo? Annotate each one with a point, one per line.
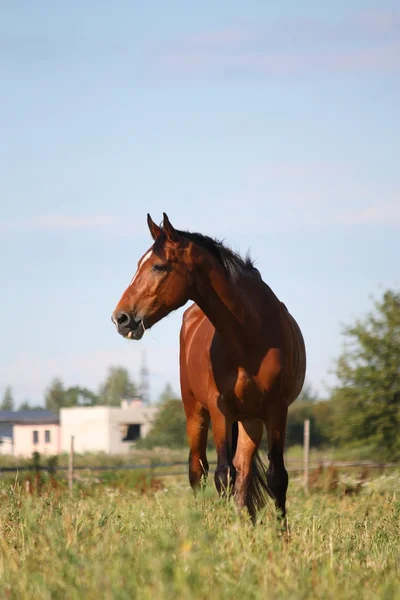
(26, 417)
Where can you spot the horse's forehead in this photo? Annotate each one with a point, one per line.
(145, 257)
(141, 262)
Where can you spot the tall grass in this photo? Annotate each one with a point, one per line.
(107, 543)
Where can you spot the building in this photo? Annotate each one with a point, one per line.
(26, 431)
(107, 429)
(6, 445)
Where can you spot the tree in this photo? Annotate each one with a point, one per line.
(307, 394)
(169, 427)
(117, 386)
(8, 401)
(319, 415)
(58, 397)
(55, 396)
(25, 405)
(80, 396)
(167, 393)
(368, 395)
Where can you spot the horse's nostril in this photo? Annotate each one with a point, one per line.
(123, 318)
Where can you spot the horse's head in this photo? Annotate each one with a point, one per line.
(161, 284)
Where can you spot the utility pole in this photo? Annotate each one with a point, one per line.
(144, 385)
(306, 449)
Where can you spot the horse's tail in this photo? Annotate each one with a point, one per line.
(235, 435)
(231, 454)
(257, 493)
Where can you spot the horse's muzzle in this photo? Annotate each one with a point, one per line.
(127, 326)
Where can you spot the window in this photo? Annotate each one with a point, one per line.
(47, 437)
(35, 437)
(131, 433)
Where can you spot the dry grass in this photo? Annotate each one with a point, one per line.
(121, 542)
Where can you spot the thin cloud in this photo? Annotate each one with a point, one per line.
(61, 222)
(318, 193)
(29, 375)
(378, 22)
(26, 45)
(275, 63)
(358, 28)
(227, 36)
(384, 214)
(365, 42)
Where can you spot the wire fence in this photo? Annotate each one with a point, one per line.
(163, 469)
(292, 465)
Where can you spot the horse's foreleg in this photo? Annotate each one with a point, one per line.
(222, 432)
(277, 476)
(250, 435)
(197, 424)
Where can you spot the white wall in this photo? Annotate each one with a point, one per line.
(89, 426)
(23, 439)
(125, 416)
(6, 445)
(100, 428)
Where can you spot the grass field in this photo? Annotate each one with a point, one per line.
(293, 457)
(123, 543)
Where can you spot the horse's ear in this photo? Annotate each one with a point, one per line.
(172, 234)
(155, 230)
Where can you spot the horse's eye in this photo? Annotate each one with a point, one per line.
(160, 268)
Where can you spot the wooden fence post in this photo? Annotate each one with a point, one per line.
(71, 466)
(306, 452)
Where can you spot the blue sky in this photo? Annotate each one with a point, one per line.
(272, 125)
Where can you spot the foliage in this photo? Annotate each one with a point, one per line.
(320, 415)
(25, 405)
(169, 427)
(367, 399)
(167, 393)
(307, 395)
(80, 396)
(58, 397)
(118, 385)
(54, 396)
(323, 420)
(8, 401)
(165, 545)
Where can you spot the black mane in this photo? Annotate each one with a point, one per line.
(231, 261)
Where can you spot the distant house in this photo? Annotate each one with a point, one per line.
(107, 429)
(6, 445)
(26, 431)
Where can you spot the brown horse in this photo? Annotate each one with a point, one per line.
(242, 357)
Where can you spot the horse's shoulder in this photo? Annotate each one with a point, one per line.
(190, 320)
(191, 313)
(191, 317)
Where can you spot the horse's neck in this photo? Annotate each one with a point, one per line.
(229, 308)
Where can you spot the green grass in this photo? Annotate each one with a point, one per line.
(293, 456)
(136, 456)
(114, 542)
(295, 453)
